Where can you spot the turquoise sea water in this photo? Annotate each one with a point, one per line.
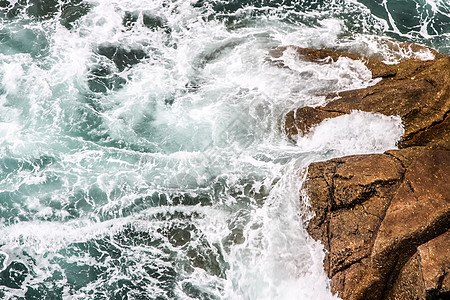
(141, 155)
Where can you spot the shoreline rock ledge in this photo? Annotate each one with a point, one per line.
(384, 219)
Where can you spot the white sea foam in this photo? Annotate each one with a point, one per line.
(278, 260)
(197, 118)
(355, 133)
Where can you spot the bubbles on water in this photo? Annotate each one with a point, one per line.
(141, 150)
(272, 258)
(146, 257)
(420, 21)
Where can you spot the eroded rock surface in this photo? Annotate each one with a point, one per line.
(374, 213)
(384, 219)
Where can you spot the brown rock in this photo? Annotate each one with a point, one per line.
(420, 207)
(409, 283)
(418, 91)
(426, 274)
(295, 124)
(435, 263)
(357, 180)
(373, 213)
(378, 68)
(347, 221)
(384, 219)
(352, 231)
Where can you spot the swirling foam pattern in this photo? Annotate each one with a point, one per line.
(140, 150)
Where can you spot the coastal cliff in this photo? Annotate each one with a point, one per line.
(384, 219)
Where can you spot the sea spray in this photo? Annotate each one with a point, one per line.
(141, 150)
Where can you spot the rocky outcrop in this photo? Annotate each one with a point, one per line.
(417, 91)
(380, 218)
(384, 219)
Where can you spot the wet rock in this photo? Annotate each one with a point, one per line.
(426, 274)
(417, 91)
(350, 198)
(384, 219)
(377, 216)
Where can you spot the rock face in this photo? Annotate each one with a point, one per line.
(384, 219)
(381, 218)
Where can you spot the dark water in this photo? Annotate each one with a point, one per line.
(140, 149)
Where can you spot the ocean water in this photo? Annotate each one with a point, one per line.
(141, 155)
